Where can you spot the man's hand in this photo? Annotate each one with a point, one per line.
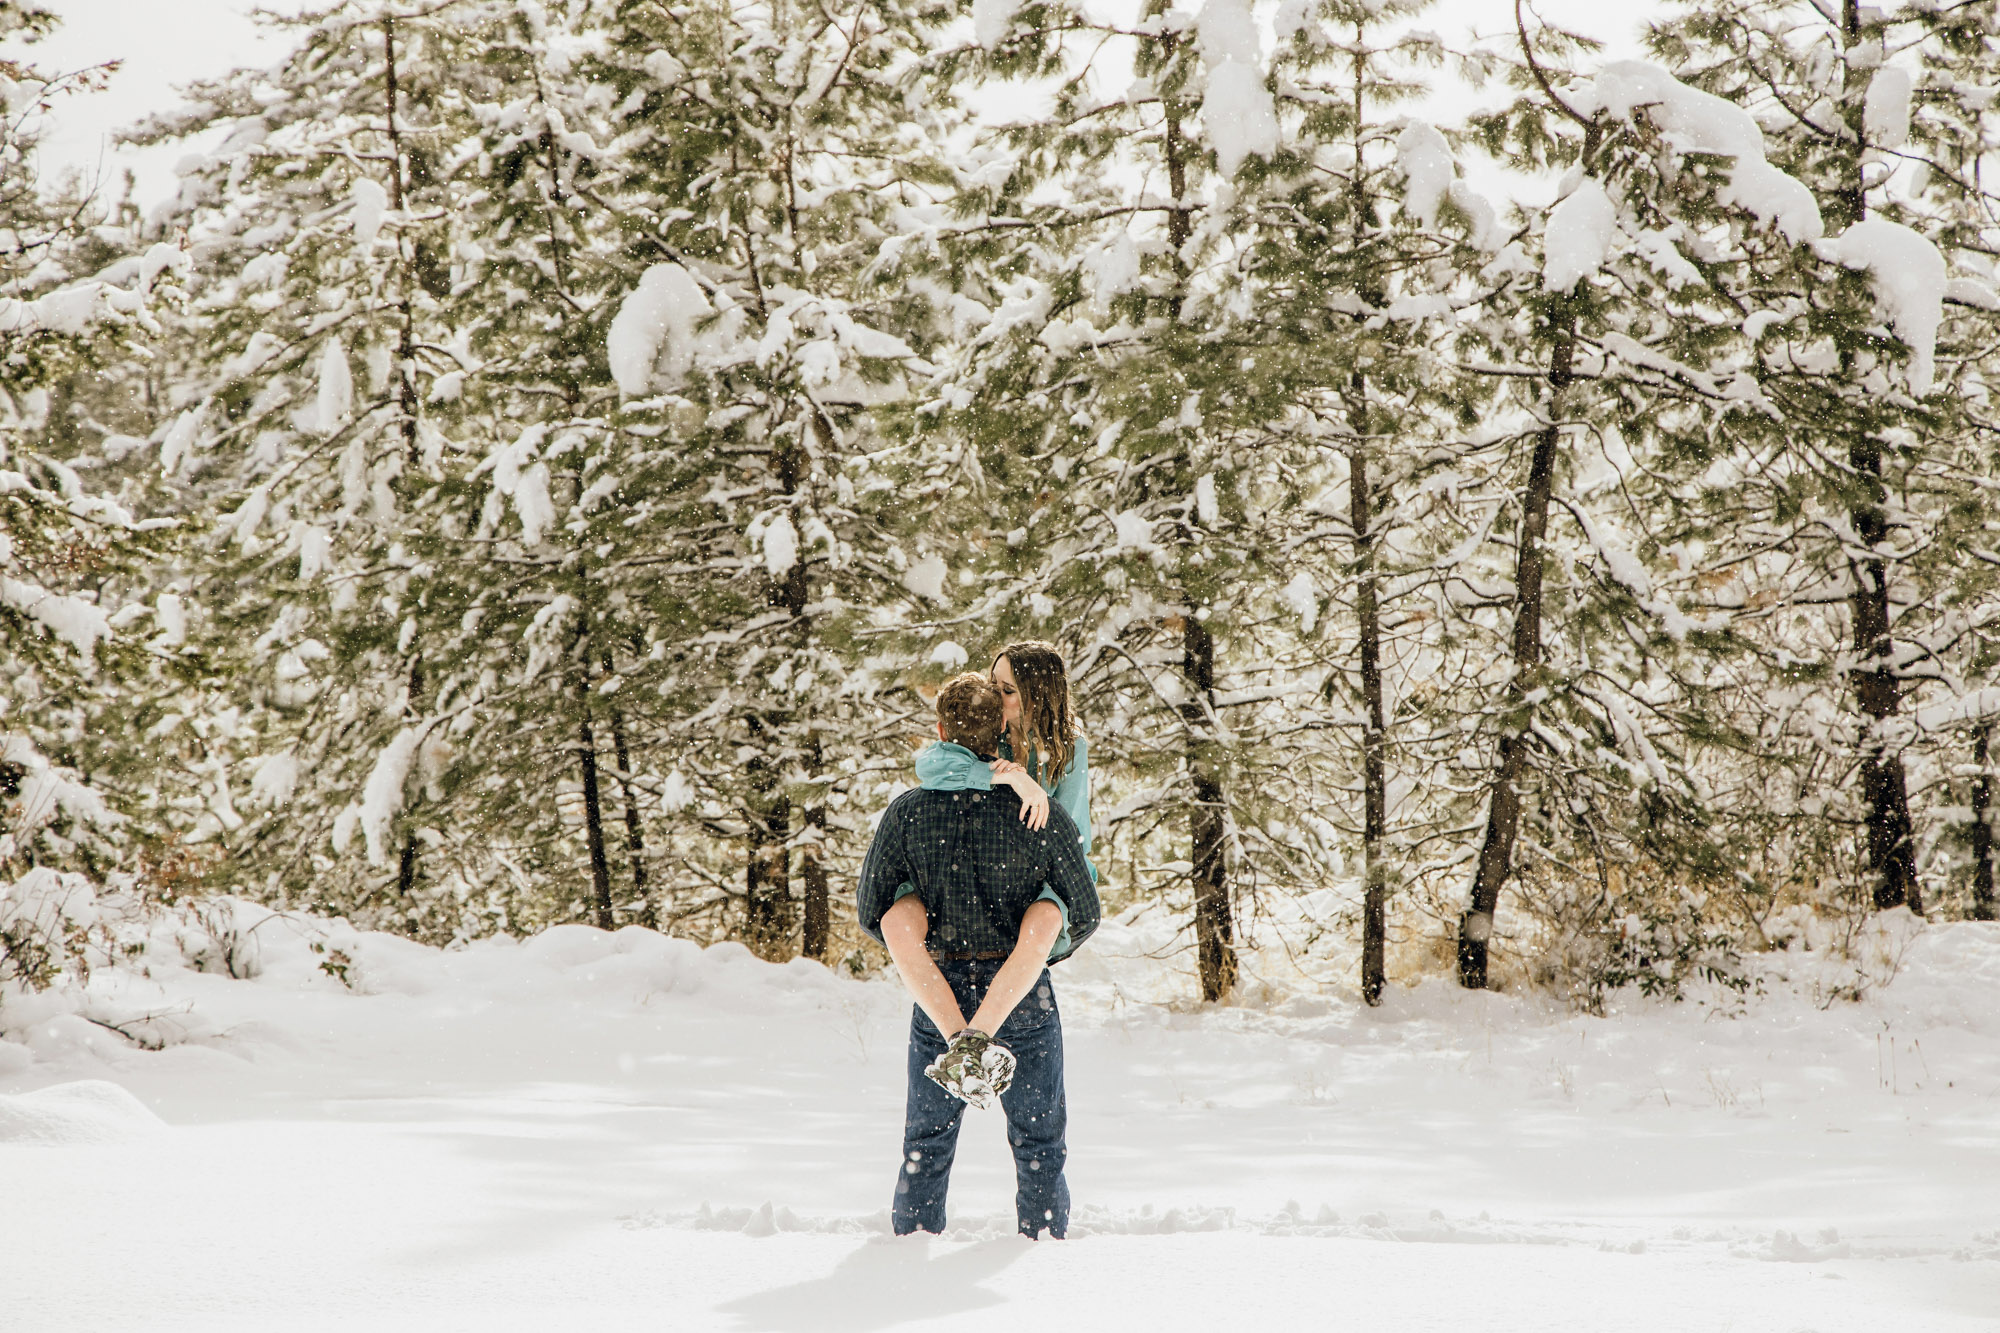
(1034, 800)
(975, 1068)
(1039, 927)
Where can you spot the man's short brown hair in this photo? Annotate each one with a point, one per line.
(969, 708)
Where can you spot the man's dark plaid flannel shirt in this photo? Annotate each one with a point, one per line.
(977, 868)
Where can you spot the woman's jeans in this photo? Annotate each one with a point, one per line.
(1037, 1114)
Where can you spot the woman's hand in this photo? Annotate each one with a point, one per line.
(1034, 801)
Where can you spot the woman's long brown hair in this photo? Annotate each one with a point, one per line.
(1046, 715)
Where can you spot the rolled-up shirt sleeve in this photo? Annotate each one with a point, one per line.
(1069, 878)
(884, 874)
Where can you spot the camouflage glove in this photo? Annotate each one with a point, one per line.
(974, 1068)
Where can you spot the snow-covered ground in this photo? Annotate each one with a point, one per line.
(628, 1132)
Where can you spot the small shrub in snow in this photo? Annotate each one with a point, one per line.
(1636, 929)
(46, 918)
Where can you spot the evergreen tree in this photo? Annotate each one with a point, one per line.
(72, 302)
(770, 159)
(1612, 333)
(1872, 514)
(324, 226)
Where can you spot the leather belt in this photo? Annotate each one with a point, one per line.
(982, 956)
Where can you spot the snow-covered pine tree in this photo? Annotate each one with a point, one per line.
(1881, 504)
(1137, 429)
(1359, 248)
(1529, 323)
(1603, 796)
(71, 308)
(1953, 119)
(762, 157)
(613, 444)
(323, 225)
(1929, 156)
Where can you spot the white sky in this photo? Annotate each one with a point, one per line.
(168, 43)
(163, 43)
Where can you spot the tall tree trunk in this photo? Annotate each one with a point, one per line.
(406, 349)
(1214, 923)
(818, 928)
(1982, 825)
(1892, 859)
(406, 864)
(593, 816)
(635, 841)
(406, 867)
(1503, 813)
(767, 882)
(1367, 611)
(794, 473)
(1374, 793)
(772, 914)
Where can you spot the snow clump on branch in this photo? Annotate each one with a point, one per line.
(336, 387)
(991, 19)
(1699, 122)
(1885, 115)
(1581, 228)
(1430, 179)
(653, 332)
(371, 204)
(1908, 275)
(382, 796)
(1237, 107)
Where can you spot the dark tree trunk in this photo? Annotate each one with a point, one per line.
(406, 864)
(1367, 611)
(1214, 927)
(813, 881)
(1374, 793)
(406, 867)
(1982, 826)
(767, 882)
(635, 840)
(1892, 861)
(1503, 814)
(406, 349)
(1214, 924)
(792, 593)
(593, 810)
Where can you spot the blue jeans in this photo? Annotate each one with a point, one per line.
(1037, 1113)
